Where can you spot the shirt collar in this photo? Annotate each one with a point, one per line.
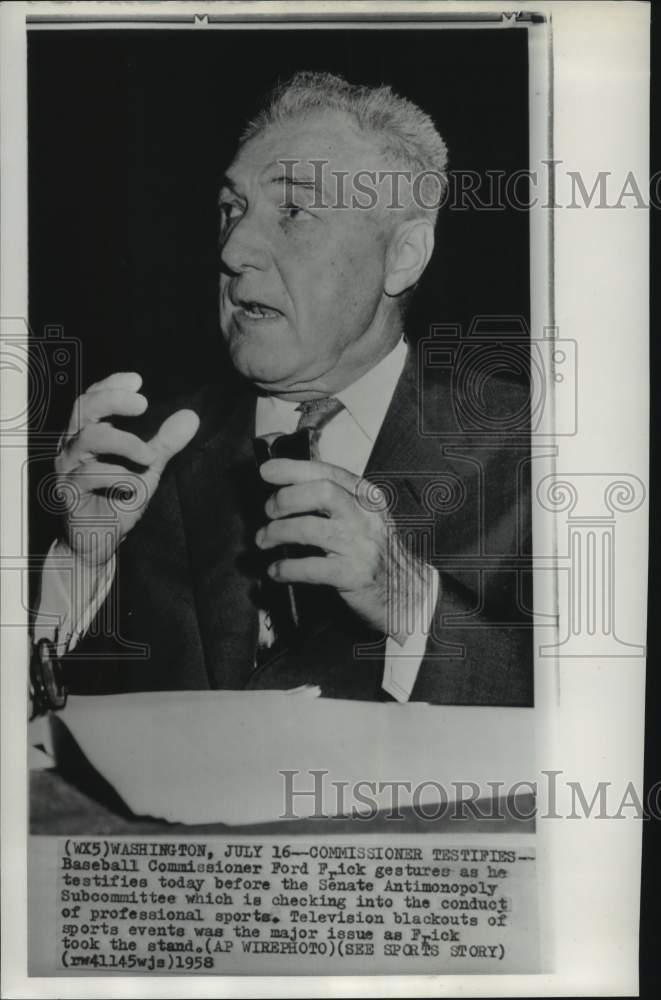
(368, 398)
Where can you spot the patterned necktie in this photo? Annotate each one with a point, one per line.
(282, 605)
(315, 414)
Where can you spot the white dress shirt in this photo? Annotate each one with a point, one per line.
(72, 594)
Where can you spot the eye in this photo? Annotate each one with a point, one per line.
(229, 210)
(296, 212)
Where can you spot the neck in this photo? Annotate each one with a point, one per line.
(357, 359)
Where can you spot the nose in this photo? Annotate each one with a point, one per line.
(245, 246)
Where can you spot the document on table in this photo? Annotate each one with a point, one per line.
(249, 757)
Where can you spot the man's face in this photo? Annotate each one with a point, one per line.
(302, 299)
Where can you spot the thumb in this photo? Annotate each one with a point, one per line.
(173, 435)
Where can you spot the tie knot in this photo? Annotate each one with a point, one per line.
(316, 413)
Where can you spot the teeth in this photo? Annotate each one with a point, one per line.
(255, 311)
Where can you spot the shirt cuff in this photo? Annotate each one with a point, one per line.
(71, 595)
(402, 662)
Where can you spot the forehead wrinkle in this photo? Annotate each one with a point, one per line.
(282, 178)
(276, 173)
(315, 140)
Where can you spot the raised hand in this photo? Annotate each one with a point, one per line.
(106, 477)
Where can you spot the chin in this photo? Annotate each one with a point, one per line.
(264, 366)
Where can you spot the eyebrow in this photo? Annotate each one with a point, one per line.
(289, 184)
(227, 182)
(293, 182)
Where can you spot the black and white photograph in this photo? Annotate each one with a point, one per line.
(310, 566)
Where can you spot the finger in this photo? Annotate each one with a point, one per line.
(118, 380)
(313, 569)
(173, 435)
(319, 495)
(104, 439)
(101, 403)
(105, 476)
(281, 471)
(323, 532)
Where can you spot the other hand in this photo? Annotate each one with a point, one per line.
(346, 517)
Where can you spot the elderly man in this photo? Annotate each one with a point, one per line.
(331, 566)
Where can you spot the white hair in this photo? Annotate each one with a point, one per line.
(406, 134)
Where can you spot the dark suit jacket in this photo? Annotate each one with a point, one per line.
(182, 613)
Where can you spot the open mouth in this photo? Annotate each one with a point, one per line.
(257, 310)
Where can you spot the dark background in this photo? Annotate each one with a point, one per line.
(129, 132)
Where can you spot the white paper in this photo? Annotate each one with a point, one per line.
(205, 757)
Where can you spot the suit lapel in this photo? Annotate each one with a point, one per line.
(402, 459)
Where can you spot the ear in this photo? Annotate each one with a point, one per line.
(410, 248)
